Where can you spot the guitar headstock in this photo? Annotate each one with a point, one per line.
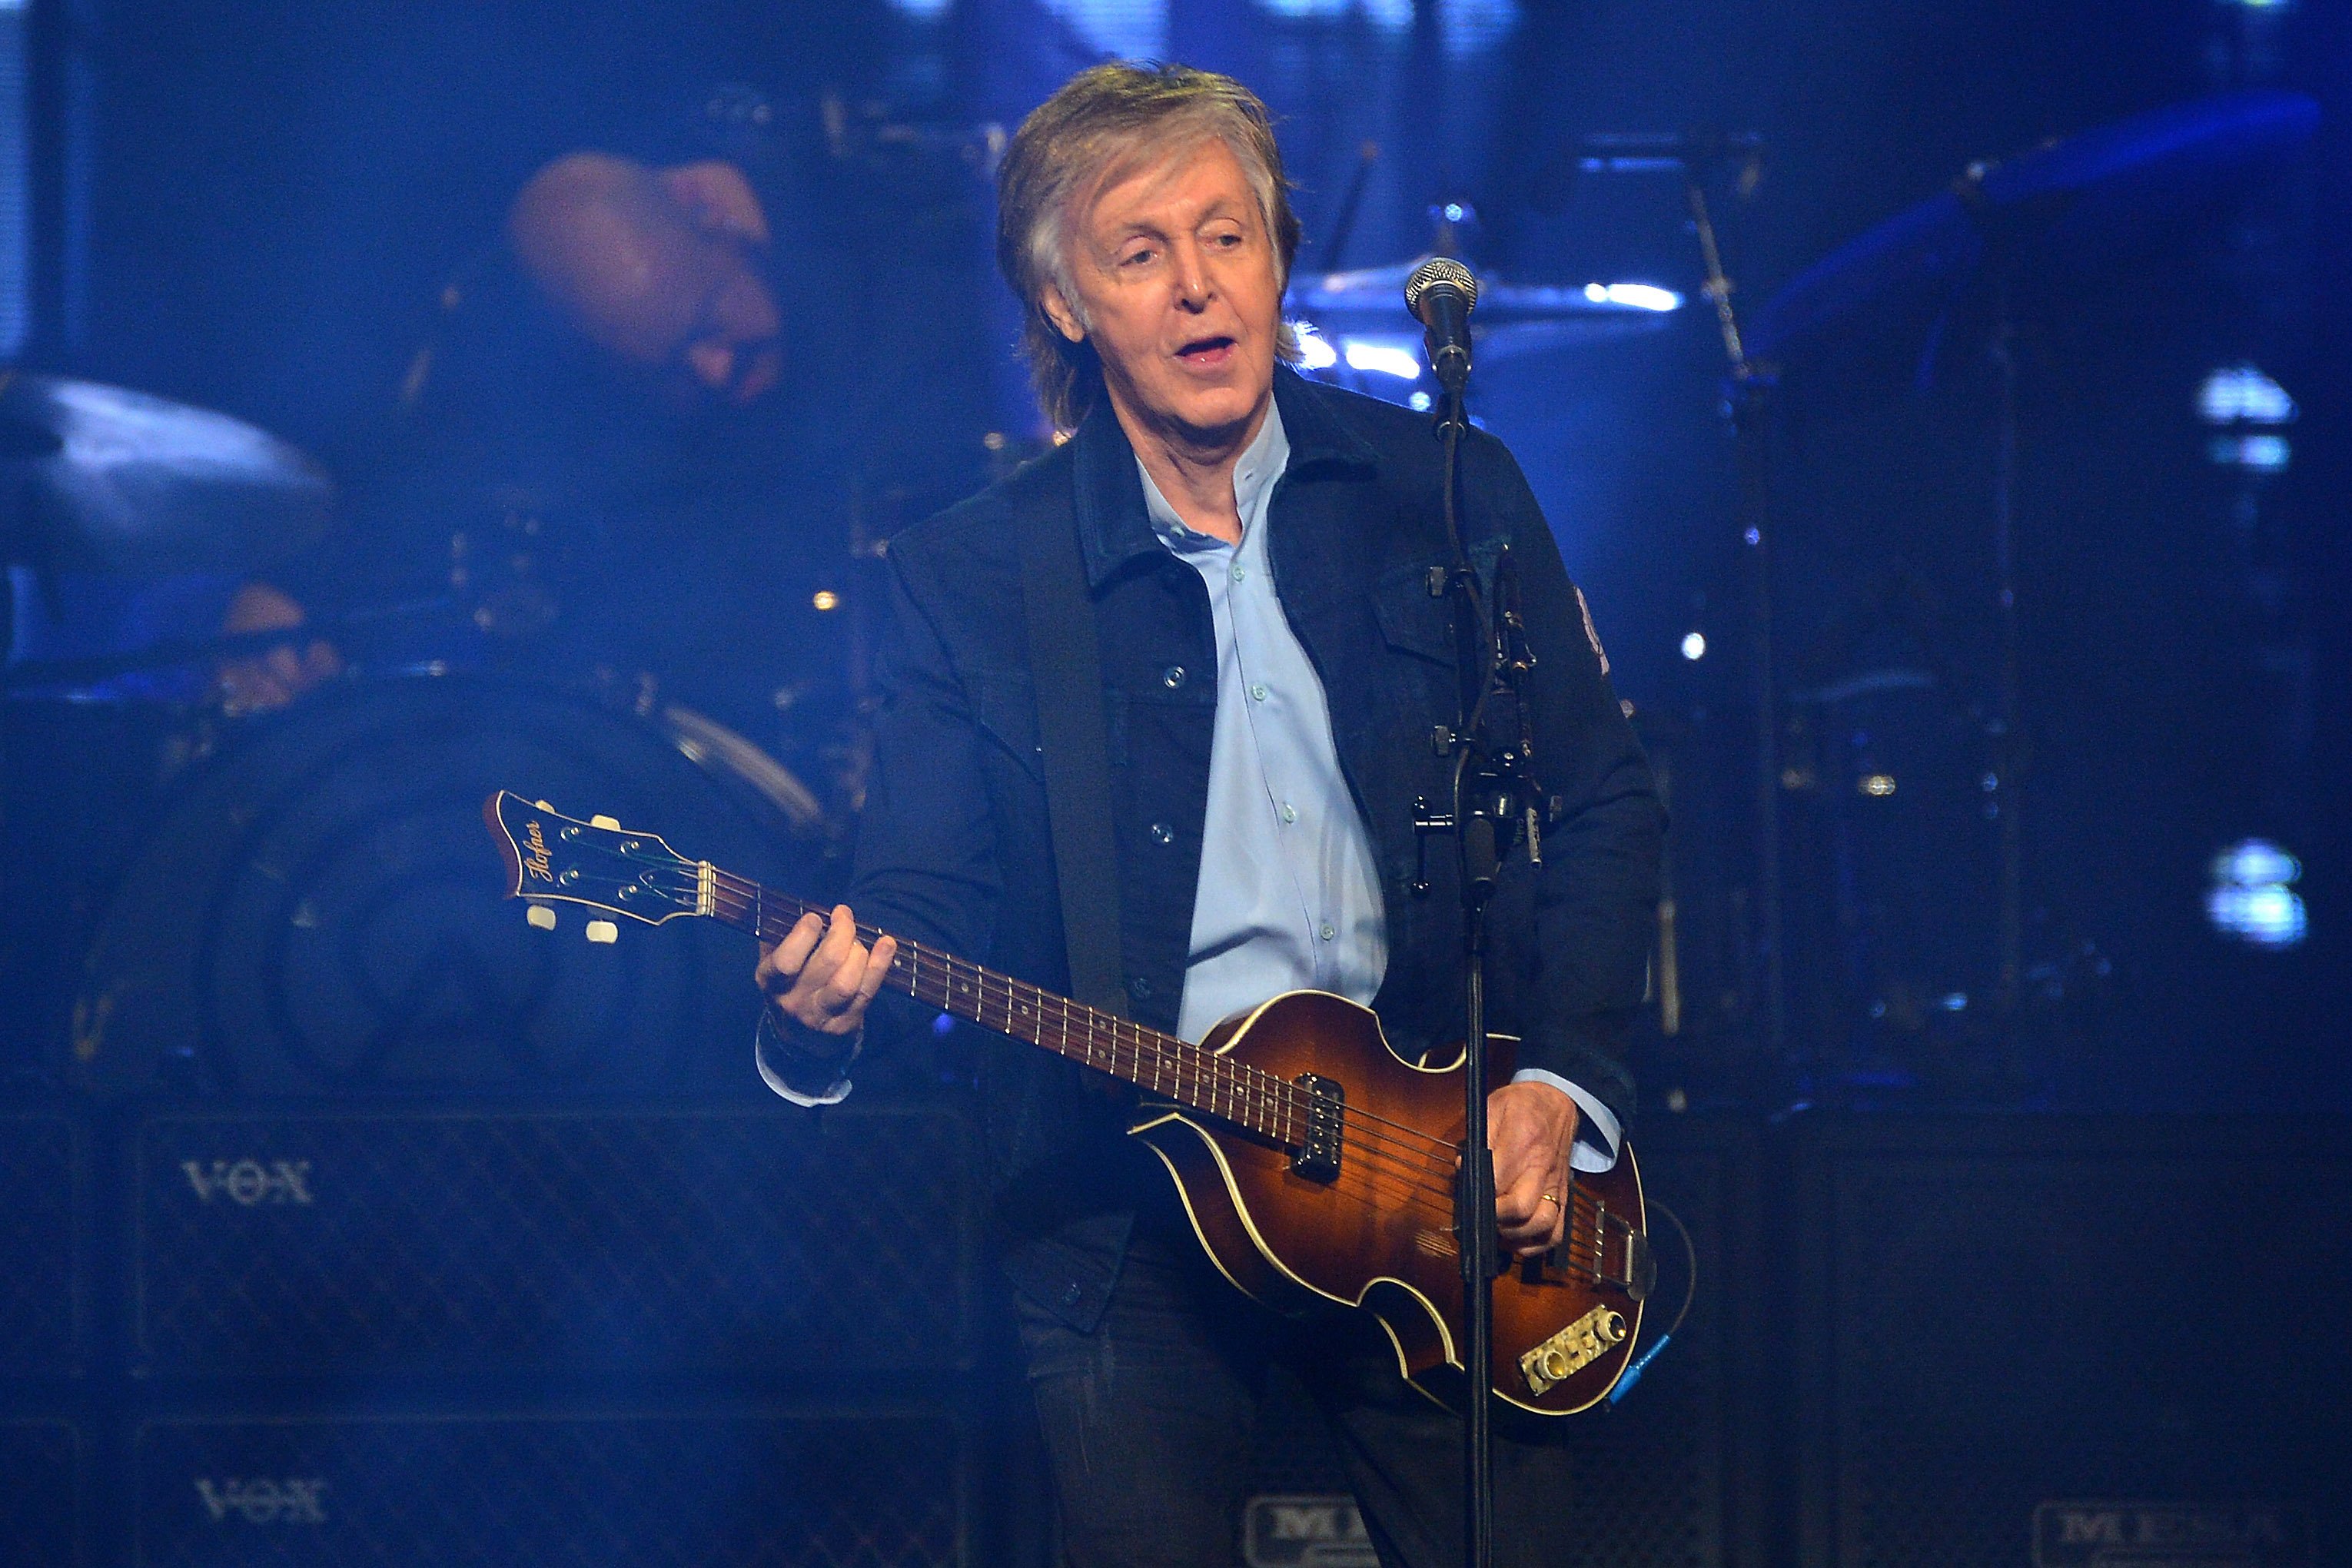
(553, 859)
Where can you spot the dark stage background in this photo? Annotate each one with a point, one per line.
(263, 204)
(291, 212)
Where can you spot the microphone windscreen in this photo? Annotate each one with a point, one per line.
(1440, 271)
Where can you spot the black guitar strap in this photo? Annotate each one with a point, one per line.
(1068, 670)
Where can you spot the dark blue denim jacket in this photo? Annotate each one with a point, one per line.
(954, 848)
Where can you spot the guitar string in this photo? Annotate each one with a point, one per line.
(1226, 1086)
(1233, 1082)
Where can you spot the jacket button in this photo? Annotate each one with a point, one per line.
(1173, 677)
(1139, 987)
(1163, 834)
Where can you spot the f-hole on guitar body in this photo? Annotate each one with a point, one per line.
(1315, 1164)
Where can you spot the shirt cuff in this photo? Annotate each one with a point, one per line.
(1598, 1133)
(769, 1048)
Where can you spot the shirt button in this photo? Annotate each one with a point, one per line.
(1172, 677)
(1240, 572)
(1290, 812)
(1258, 691)
(1139, 988)
(1163, 834)
(1327, 932)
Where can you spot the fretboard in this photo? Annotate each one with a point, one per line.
(1161, 1065)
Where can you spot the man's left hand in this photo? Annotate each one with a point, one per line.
(1530, 1127)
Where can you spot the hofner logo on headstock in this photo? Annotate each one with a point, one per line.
(536, 863)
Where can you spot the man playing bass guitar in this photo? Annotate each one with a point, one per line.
(1257, 551)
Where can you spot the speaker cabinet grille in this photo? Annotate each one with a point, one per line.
(718, 1239)
(40, 1202)
(1653, 1474)
(40, 1492)
(2021, 1315)
(778, 1490)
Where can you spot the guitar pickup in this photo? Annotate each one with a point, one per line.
(1318, 1158)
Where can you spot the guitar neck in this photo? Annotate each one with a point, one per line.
(1161, 1065)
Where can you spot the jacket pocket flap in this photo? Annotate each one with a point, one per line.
(1410, 619)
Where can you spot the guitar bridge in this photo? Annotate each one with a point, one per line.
(1318, 1158)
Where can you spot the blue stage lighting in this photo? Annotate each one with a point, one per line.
(2253, 897)
(1314, 350)
(2242, 394)
(1384, 358)
(1639, 296)
(1695, 646)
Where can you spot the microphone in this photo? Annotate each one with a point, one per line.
(1440, 294)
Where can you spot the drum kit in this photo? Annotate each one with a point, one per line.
(299, 910)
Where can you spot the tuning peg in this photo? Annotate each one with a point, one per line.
(611, 822)
(603, 931)
(541, 917)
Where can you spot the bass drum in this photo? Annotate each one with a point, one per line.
(318, 912)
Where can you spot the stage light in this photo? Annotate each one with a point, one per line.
(826, 599)
(1695, 646)
(1418, 403)
(1381, 359)
(1391, 15)
(1314, 350)
(1642, 297)
(2241, 394)
(1879, 786)
(2254, 898)
(2262, 453)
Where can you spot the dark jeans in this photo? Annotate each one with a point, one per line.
(1148, 1422)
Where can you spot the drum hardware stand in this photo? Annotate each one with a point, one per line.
(2009, 955)
(1495, 798)
(1748, 404)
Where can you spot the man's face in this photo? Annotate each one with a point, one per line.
(1180, 290)
(662, 268)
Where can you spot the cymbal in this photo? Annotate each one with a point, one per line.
(1512, 319)
(99, 477)
(2062, 208)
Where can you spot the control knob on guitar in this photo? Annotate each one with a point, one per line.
(1314, 1163)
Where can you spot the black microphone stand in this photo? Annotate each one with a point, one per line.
(1493, 799)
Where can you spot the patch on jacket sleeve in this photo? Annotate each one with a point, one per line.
(1589, 635)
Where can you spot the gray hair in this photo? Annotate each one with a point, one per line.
(1094, 123)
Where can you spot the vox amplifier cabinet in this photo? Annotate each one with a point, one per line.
(288, 1243)
(43, 1242)
(772, 1488)
(2038, 1339)
(44, 1482)
(1660, 1480)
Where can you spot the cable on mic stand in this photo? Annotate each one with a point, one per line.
(1493, 801)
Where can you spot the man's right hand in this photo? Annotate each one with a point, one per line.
(821, 976)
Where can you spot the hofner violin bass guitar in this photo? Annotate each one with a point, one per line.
(1314, 1163)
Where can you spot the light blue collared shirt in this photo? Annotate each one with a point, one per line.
(1289, 893)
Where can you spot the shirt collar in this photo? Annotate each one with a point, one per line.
(1113, 515)
(1261, 463)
